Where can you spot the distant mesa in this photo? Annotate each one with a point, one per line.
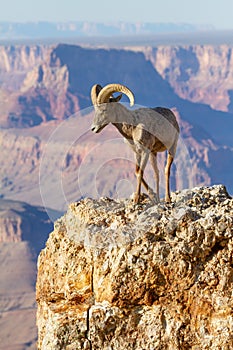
(42, 30)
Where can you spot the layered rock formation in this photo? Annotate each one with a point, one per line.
(34, 87)
(40, 83)
(116, 276)
(199, 73)
(23, 232)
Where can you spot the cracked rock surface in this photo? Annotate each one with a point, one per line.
(118, 276)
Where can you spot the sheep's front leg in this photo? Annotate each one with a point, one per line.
(167, 176)
(141, 159)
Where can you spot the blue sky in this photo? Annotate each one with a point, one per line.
(218, 13)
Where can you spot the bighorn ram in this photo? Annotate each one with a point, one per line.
(147, 130)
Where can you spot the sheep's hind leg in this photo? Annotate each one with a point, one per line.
(167, 175)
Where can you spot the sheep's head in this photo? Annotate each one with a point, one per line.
(104, 103)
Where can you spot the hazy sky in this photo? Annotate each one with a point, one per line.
(218, 13)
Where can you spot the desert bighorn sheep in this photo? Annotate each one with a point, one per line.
(147, 130)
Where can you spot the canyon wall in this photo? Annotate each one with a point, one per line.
(44, 82)
(23, 232)
(198, 73)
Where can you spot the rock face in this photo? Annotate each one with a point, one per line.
(23, 232)
(22, 222)
(115, 276)
(34, 88)
(199, 73)
(52, 82)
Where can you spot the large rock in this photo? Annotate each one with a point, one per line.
(116, 276)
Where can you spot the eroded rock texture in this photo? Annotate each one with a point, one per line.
(116, 276)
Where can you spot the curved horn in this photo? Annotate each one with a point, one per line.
(109, 89)
(95, 92)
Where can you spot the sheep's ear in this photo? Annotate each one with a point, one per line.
(95, 92)
(98, 89)
(115, 99)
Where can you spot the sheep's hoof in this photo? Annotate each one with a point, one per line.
(139, 198)
(136, 199)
